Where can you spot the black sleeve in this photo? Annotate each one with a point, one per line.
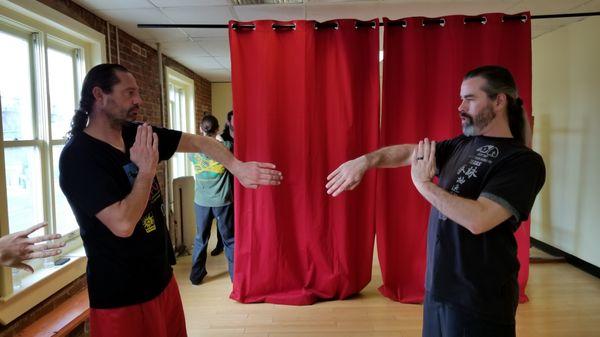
(515, 183)
(168, 140)
(444, 150)
(89, 195)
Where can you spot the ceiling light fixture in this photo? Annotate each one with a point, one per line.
(266, 2)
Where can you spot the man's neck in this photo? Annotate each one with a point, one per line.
(107, 132)
(498, 128)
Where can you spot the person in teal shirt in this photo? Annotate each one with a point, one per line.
(213, 200)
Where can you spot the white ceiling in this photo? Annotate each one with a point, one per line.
(206, 51)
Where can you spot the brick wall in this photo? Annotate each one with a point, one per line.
(142, 62)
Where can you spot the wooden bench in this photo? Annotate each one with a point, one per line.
(63, 319)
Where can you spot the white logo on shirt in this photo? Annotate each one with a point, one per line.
(488, 151)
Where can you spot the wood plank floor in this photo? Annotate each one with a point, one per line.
(564, 301)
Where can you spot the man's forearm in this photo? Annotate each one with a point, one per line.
(478, 216)
(211, 147)
(390, 156)
(122, 217)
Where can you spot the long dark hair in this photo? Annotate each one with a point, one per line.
(226, 135)
(103, 76)
(499, 80)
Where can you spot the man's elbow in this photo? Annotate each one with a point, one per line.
(123, 232)
(480, 226)
(121, 228)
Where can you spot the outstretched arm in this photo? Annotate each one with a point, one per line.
(348, 175)
(18, 247)
(250, 174)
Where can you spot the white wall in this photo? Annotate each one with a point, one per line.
(566, 106)
(222, 101)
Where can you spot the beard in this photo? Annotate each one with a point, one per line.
(133, 112)
(472, 126)
(119, 118)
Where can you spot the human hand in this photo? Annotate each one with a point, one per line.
(252, 174)
(347, 176)
(144, 152)
(18, 247)
(423, 162)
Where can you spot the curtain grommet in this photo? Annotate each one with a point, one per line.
(276, 26)
(371, 24)
(482, 20)
(440, 21)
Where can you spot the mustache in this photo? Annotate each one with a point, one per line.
(466, 116)
(134, 107)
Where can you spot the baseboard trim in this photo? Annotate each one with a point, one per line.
(571, 259)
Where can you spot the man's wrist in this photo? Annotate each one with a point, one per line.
(234, 166)
(368, 160)
(145, 175)
(422, 185)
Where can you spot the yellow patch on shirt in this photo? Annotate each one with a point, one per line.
(149, 224)
(209, 165)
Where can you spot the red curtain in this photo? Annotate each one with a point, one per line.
(307, 100)
(423, 68)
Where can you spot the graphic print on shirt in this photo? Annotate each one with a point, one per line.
(207, 168)
(483, 155)
(131, 170)
(473, 169)
(149, 223)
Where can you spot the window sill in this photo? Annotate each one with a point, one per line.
(40, 285)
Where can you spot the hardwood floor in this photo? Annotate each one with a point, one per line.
(564, 301)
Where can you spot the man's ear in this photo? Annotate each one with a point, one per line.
(501, 101)
(98, 93)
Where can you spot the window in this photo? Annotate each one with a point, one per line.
(181, 117)
(41, 70)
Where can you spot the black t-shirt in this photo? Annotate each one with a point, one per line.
(95, 175)
(478, 273)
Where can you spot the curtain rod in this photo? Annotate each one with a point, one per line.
(474, 19)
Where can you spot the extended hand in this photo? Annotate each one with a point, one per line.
(18, 247)
(252, 174)
(144, 152)
(423, 162)
(347, 176)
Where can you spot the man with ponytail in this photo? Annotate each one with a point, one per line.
(488, 181)
(108, 174)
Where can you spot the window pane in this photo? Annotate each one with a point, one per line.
(62, 91)
(65, 220)
(23, 187)
(179, 163)
(15, 87)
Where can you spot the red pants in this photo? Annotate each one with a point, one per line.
(160, 317)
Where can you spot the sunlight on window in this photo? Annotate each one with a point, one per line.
(15, 87)
(23, 187)
(62, 91)
(178, 118)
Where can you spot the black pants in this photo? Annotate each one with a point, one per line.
(443, 320)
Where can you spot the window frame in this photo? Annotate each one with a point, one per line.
(40, 43)
(52, 29)
(186, 85)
